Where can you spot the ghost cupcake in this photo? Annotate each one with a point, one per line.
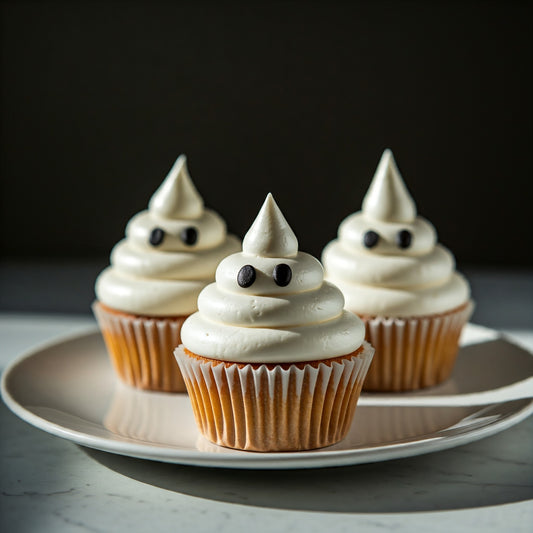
(271, 360)
(169, 255)
(402, 283)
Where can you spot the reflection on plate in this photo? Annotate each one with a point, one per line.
(68, 389)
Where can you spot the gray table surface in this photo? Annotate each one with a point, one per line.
(52, 485)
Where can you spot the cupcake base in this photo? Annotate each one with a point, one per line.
(414, 353)
(274, 407)
(140, 348)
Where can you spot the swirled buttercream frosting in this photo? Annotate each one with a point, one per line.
(270, 303)
(386, 259)
(170, 252)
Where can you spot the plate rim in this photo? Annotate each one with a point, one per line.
(241, 459)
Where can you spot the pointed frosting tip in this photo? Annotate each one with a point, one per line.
(177, 196)
(387, 198)
(270, 235)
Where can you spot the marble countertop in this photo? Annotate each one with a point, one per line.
(52, 485)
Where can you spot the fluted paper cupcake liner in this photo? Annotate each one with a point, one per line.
(414, 353)
(141, 348)
(284, 407)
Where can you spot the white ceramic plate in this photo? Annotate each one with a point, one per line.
(68, 389)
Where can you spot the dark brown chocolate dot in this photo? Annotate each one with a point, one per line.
(189, 235)
(282, 274)
(156, 236)
(404, 238)
(246, 276)
(370, 239)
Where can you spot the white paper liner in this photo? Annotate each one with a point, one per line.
(141, 349)
(414, 353)
(250, 407)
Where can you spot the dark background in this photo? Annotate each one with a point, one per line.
(300, 99)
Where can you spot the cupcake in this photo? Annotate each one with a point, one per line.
(169, 255)
(271, 360)
(403, 285)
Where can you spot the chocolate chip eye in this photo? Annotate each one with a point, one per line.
(157, 236)
(246, 276)
(189, 235)
(404, 238)
(282, 274)
(370, 239)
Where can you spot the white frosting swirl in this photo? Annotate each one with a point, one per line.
(265, 322)
(162, 275)
(386, 279)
